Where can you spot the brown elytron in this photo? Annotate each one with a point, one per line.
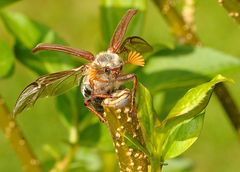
(102, 76)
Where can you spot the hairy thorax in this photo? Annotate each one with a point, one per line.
(103, 81)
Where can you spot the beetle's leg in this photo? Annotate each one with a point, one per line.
(103, 96)
(87, 105)
(92, 86)
(73, 51)
(130, 77)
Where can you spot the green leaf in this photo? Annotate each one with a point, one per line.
(28, 34)
(64, 105)
(183, 124)
(146, 114)
(186, 66)
(196, 99)
(200, 60)
(4, 3)
(112, 12)
(182, 136)
(22, 28)
(6, 59)
(90, 135)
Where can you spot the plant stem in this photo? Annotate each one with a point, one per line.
(232, 7)
(121, 123)
(155, 165)
(186, 35)
(229, 105)
(17, 140)
(180, 29)
(188, 13)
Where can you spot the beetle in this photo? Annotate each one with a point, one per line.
(101, 77)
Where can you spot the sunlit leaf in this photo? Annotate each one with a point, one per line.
(4, 3)
(6, 59)
(182, 136)
(184, 122)
(196, 99)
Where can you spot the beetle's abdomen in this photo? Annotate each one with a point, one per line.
(86, 91)
(96, 102)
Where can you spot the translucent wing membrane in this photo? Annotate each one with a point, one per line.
(135, 43)
(49, 85)
(132, 48)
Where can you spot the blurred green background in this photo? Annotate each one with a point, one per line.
(78, 22)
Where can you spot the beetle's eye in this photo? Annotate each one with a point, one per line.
(107, 70)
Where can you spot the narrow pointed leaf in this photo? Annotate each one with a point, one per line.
(134, 143)
(146, 113)
(6, 59)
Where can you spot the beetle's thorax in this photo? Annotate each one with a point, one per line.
(108, 59)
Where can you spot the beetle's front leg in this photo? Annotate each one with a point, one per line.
(91, 108)
(130, 77)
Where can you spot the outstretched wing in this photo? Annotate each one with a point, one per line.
(120, 31)
(48, 85)
(133, 44)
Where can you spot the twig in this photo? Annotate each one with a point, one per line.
(182, 31)
(188, 13)
(122, 123)
(186, 35)
(17, 140)
(229, 105)
(232, 7)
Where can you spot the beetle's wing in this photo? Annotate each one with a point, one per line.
(135, 43)
(121, 28)
(49, 85)
(69, 50)
(132, 49)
